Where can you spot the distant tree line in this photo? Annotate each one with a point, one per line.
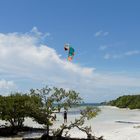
(127, 101)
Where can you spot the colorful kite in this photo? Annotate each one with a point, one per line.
(67, 47)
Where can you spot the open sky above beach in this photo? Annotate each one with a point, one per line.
(105, 35)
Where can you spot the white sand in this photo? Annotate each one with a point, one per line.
(103, 125)
(117, 131)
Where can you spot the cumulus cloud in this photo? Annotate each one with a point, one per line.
(36, 32)
(27, 63)
(21, 56)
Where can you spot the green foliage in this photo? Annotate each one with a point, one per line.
(41, 105)
(65, 99)
(127, 101)
(15, 107)
(90, 112)
(53, 100)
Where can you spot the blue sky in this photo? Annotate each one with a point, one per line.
(105, 35)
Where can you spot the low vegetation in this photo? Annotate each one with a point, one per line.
(41, 105)
(127, 101)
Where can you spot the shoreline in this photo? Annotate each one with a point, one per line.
(104, 124)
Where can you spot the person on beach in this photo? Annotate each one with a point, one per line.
(65, 116)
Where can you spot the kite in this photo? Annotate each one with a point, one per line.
(67, 47)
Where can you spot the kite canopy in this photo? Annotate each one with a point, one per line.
(66, 47)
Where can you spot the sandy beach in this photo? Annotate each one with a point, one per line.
(112, 123)
(105, 124)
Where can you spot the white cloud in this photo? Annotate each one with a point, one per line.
(103, 47)
(7, 84)
(130, 53)
(26, 63)
(107, 56)
(21, 56)
(101, 33)
(35, 32)
(98, 33)
(121, 55)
